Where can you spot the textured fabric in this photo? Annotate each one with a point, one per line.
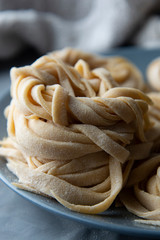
(22, 220)
(92, 25)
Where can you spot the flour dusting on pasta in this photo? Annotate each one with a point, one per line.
(82, 129)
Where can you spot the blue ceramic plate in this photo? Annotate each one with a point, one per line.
(117, 220)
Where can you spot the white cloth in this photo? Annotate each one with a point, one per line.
(92, 25)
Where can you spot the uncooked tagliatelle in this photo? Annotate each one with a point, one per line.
(142, 193)
(79, 129)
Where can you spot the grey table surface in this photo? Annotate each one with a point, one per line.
(21, 220)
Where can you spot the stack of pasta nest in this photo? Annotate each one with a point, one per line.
(82, 129)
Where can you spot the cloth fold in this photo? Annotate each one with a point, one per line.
(22, 220)
(91, 26)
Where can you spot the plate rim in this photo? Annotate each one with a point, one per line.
(113, 227)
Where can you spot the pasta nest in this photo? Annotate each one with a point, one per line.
(143, 196)
(75, 126)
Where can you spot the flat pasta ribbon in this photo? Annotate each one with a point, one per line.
(143, 197)
(76, 124)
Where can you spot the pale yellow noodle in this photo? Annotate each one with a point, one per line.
(76, 124)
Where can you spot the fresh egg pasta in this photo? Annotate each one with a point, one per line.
(82, 129)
